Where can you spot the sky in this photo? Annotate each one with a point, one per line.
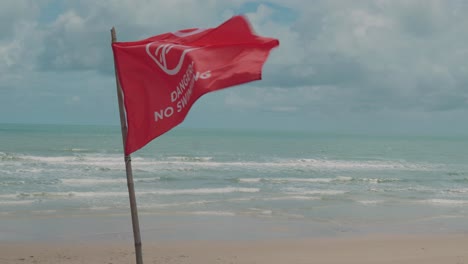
(383, 66)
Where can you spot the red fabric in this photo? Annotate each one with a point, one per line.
(162, 76)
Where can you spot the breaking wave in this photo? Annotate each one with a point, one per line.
(181, 162)
(200, 191)
(286, 180)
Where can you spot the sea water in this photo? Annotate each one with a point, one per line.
(340, 181)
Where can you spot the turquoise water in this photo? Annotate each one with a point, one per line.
(338, 180)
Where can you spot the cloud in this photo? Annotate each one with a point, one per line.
(336, 58)
(15, 12)
(388, 54)
(20, 42)
(79, 39)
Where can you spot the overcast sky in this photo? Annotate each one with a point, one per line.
(344, 66)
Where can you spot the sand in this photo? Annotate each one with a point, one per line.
(360, 249)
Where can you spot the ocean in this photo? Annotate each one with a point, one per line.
(344, 183)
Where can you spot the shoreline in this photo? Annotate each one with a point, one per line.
(157, 227)
(428, 249)
(223, 239)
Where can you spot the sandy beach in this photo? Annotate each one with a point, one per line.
(365, 249)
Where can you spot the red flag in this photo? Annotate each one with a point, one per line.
(162, 76)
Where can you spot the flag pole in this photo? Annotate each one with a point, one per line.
(128, 166)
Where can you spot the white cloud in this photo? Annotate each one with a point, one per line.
(334, 57)
(20, 42)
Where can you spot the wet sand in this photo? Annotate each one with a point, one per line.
(413, 249)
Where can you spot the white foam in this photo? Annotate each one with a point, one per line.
(459, 190)
(97, 194)
(90, 181)
(378, 165)
(261, 211)
(181, 162)
(21, 202)
(111, 162)
(318, 180)
(79, 150)
(71, 194)
(243, 199)
(301, 191)
(59, 159)
(446, 202)
(200, 191)
(7, 183)
(203, 191)
(324, 192)
(29, 170)
(184, 158)
(344, 178)
(379, 180)
(250, 180)
(8, 196)
(215, 213)
(285, 180)
(293, 197)
(98, 181)
(292, 216)
(152, 206)
(370, 202)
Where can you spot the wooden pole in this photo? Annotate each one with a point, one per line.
(128, 167)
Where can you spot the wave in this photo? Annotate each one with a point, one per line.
(293, 197)
(21, 202)
(370, 202)
(113, 161)
(411, 189)
(70, 194)
(445, 202)
(8, 196)
(378, 180)
(317, 164)
(107, 162)
(260, 211)
(204, 191)
(459, 190)
(160, 205)
(301, 191)
(11, 183)
(323, 192)
(200, 191)
(75, 182)
(250, 180)
(212, 213)
(75, 150)
(284, 180)
(9, 157)
(190, 159)
(30, 170)
(357, 165)
(97, 181)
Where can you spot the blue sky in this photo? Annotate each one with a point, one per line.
(344, 66)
